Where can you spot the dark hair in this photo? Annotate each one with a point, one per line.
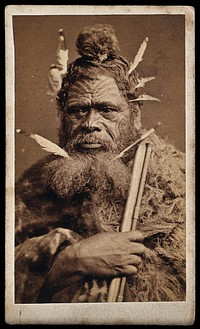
(86, 69)
(98, 47)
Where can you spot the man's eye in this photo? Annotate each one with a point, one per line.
(77, 112)
(107, 110)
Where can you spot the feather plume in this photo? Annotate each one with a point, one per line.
(58, 70)
(139, 56)
(143, 81)
(144, 136)
(54, 80)
(45, 144)
(62, 53)
(144, 97)
(62, 59)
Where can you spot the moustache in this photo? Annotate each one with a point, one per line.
(92, 139)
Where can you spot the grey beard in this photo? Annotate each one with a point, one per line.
(97, 182)
(98, 173)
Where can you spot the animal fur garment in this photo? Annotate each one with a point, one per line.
(47, 222)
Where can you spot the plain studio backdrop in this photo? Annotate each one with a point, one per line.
(35, 46)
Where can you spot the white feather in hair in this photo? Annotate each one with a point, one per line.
(144, 97)
(58, 70)
(139, 56)
(62, 59)
(54, 80)
(143, 81)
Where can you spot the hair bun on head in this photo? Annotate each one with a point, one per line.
(98, 42)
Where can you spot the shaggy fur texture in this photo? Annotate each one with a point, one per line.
(39, 209)
(162, 220)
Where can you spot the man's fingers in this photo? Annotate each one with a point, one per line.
(137, 248)
(135, 236)
(124, 260)
(130, 270)
(134, 260)
(128, 265)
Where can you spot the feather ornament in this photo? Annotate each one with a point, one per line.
(144, 97)
(143, 81)
(58, 70)
(139, 56)
(62, 59)
(54, 80)
(45, 144)
(144, 136)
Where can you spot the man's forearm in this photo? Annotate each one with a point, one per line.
(33, 260)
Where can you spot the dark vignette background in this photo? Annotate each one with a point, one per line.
(35, 45)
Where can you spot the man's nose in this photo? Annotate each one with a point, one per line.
(92, 122)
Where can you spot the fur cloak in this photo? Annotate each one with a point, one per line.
(47, 223)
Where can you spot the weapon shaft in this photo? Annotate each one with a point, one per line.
(139, 171)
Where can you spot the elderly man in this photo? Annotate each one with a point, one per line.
(69, 209)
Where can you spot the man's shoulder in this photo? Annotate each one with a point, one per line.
(167, 156)
(166, 166)
(164, 154)
(163, 144)
(32, 176)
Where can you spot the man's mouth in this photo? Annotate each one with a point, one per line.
(89, 145)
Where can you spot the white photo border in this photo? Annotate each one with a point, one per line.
(145, 313)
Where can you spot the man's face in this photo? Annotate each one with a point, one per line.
(97, 115)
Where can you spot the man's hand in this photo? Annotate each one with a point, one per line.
(104, 255)
(109, 254)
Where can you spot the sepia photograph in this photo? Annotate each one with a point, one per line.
(100, 144)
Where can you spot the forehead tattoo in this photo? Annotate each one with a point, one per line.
(101, 89)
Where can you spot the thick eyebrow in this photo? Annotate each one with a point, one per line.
(97, 105)
(107, 104)
(77, 105)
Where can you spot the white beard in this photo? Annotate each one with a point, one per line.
(87, 173)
